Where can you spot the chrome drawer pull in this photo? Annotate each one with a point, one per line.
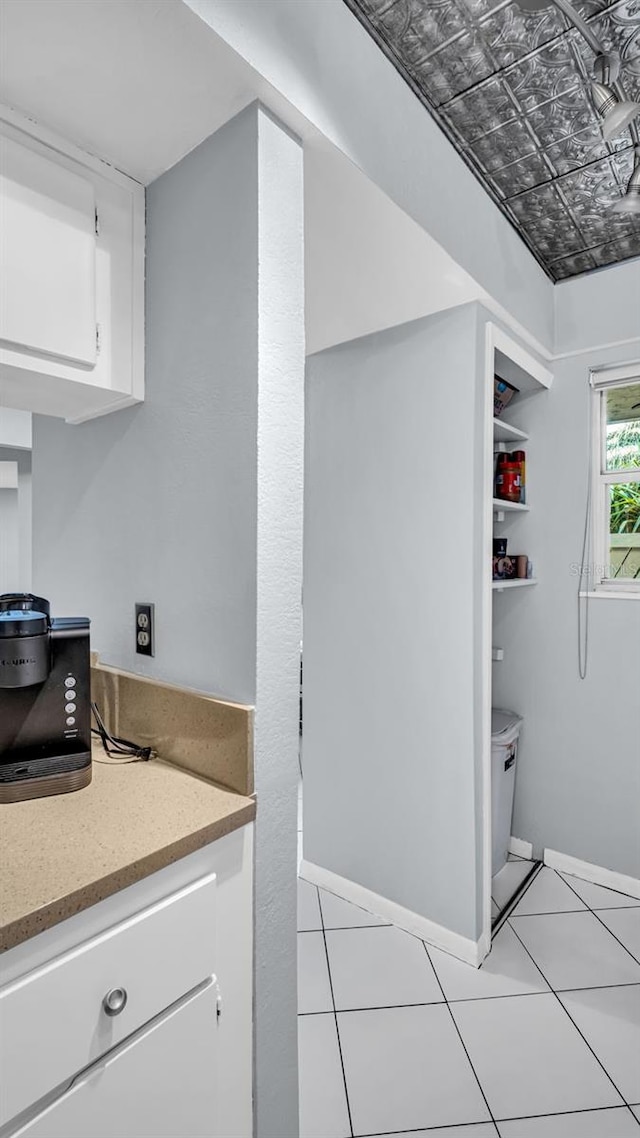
(115, 1001)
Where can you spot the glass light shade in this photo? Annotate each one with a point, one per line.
(619, 118)
(615, 114)
(630, 203)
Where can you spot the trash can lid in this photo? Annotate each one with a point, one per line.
(504, 723)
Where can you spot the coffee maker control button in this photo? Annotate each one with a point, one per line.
(70, 708)
(70, 682)
(70, 721)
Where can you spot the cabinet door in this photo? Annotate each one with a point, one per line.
(47, 257)
(162, 1083)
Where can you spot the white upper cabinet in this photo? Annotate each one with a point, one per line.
(71, 277)
(47, 257)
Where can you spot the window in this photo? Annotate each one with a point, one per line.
(616, 480)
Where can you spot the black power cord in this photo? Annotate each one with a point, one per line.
(117, 748)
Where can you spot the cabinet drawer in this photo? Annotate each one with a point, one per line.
(160, 1083)
(53, 1022)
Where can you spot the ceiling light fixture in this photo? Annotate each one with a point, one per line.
(630, 203)
(616, 114)
(615, 111)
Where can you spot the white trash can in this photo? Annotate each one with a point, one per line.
(505, 729)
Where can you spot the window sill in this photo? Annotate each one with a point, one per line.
(612, 594)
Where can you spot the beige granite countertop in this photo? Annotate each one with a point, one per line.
(59, 855)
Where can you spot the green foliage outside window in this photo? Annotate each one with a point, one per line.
(623, 453)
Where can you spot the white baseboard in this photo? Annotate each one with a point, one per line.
(470, 951)
(594, 873)
(521, 848)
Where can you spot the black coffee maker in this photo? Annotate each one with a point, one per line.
(45, 700)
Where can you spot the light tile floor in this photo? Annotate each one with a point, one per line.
(543, 1041)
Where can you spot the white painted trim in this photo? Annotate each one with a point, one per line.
(593, 349)
(515, 326)
(511, 348)
(605, 594)
(621, 882)
(521, 848)
(486, 645)
(36, 130)
(535, 345)
(117, 405)
(470, 951)
(138, 290)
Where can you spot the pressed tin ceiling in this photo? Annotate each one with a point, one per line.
(511, 91)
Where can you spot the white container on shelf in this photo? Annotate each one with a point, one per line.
(505, 729)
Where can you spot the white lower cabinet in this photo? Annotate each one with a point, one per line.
(85, 1002)
(133, 1018)
(161, 1083)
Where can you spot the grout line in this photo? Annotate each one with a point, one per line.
(305, 1015)
(335, 1018)
(430, 1129)
(570, 1017)
(614, 908)
(599, 987)
(549, 912)
(618, 892)
(348, 928)
(605, 926)
(471, 999)
(457, 1029)
(633, 1114)
(620, 942)
(566, 1113)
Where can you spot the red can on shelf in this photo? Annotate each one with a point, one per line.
(520, 457)
(508, 481)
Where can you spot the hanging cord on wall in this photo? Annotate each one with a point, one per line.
(121, 750)
(583, 602)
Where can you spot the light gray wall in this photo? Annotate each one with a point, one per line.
(389, 589)
(159, 502)
(9, 543)
(171, 502)
(321, 59)
(600, 309)
(16, 521)
(578, 780)
(15, 428)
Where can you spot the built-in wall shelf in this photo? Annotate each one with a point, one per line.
(505, 433)
(516, 583)
(512, 636)
(502, 507)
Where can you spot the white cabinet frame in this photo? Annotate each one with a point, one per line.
(527, 373)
